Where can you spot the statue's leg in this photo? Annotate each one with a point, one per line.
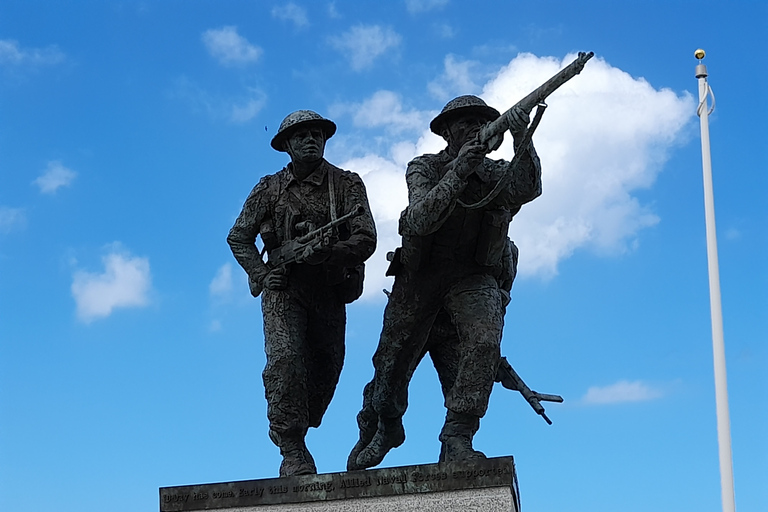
(443, 348)
(368, 420)
(367, 424)
(476, 308)
(285, 378)
(407, 319)
(325, 341)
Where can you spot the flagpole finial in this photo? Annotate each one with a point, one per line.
(701, 69)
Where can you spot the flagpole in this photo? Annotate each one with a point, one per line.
(718, 343)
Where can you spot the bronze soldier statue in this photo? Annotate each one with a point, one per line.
(316, 227)
(452, 277)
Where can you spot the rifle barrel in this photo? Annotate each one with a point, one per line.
(501, 124)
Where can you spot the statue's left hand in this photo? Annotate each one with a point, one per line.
(518, 121)
(316, 252)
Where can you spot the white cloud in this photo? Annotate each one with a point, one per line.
(604, 136)
(229, 47)
(444, 30)
(456, 80)
(54, 177)
(12, 219)
(124, 283)
(247, 109)
(362, 44)
(12, 54)
(732, 233)
(333, 11)
(291, 12)
(236, 110)
(417, 6)
(221, 285)
(621, 392)
(383, 109)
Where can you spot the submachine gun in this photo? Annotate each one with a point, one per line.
(492, 134)
(511, 380)
(294, 251)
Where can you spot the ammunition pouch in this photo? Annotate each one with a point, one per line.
(492, 240)
(351, 286)
(508, 266)
(269, 235)
(416, 251)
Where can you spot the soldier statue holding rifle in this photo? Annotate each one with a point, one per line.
(453, 274)
(317, 230)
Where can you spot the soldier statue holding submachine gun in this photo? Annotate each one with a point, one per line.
(317, 230)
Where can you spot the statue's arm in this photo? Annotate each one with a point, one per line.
(525, 185)
(362, 240)
(431, 199)
(242, 236)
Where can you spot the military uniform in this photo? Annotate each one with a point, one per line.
(304, 323)
(456, 264)
(452, 263)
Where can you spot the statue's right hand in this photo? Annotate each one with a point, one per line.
(276, 279)
(256, 286)
(470, 156)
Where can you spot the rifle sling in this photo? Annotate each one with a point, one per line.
(504, 180)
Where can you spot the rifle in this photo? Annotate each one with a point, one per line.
(511, 380)
(500, 125)
(293, 251)
(492, 134)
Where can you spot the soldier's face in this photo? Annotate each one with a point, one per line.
(306, 145)
(465, 128)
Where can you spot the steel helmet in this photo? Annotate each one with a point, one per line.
(301, 118)
(463, 105)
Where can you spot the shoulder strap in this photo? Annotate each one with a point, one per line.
(332, 192)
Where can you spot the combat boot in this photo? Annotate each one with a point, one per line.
(296, 457)
(390, 434)
(456, 437)
(367, 422)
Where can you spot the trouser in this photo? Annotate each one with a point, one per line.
(304, 344)
(466, 356)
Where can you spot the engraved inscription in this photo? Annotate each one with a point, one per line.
(315, 486)
(349, 483)
(429, 477)
(253, 491)
(395, 479)
(175, 498)
(425, 478)
(475, 473)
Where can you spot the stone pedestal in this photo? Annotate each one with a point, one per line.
(488, 485)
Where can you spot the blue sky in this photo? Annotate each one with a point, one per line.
(131, 133)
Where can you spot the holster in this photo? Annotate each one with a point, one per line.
(395, 264)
